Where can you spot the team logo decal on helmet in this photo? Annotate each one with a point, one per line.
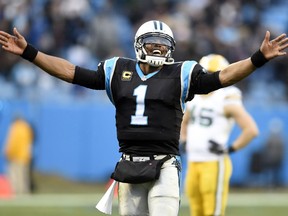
(154, 32)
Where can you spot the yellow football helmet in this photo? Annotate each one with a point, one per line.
(213, 62)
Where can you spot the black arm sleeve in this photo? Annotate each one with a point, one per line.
(89, 78)
(203, 82)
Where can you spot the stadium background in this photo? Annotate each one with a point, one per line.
(75, 127)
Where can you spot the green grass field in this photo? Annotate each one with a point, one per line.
(262, 204)
(58, 197)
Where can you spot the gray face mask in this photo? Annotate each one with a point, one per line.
(157, 40)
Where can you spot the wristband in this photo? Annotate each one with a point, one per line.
(29, 53)
(258, 59)
(231, 149)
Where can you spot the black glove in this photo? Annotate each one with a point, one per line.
(216, 148)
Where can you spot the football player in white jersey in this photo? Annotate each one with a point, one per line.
(206, 128)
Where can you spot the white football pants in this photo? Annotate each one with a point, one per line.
(160, 197)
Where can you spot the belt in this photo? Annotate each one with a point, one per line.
(141, 158)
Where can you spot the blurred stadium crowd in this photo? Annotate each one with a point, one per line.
(88, 31)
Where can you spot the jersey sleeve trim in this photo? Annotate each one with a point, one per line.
(109, 68)
(233, 96)
(186, 71)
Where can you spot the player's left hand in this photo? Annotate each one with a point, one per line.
(216, 148)
(275, 47)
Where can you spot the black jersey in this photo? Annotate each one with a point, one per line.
(149, 108)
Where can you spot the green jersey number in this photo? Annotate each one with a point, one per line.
(204, 117)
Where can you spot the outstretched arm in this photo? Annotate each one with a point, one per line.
(54, 66)
(241, 69)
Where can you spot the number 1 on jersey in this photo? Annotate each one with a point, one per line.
(139, 118)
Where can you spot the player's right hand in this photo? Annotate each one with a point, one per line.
(13, 43)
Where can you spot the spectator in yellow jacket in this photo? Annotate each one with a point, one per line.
(18, 152)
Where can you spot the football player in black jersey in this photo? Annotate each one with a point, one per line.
(149, 95)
